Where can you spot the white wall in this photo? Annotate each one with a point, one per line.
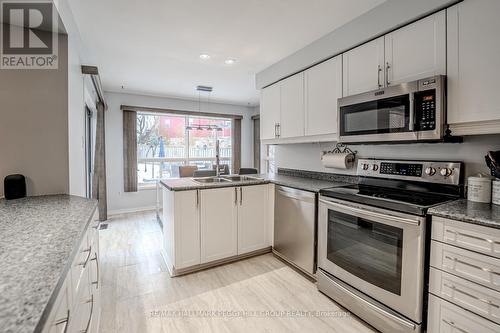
(471, 151)
(119, 201)
(34, 126)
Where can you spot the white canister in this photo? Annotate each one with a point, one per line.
(479, 188)
(496, 192)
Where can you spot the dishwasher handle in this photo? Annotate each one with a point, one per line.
(296, 194)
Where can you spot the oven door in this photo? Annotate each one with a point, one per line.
(378, 252)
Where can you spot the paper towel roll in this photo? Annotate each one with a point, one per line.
(338, 161)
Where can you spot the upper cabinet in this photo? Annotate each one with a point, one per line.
(364, 68)
(417, 50)
(292, 107)
(473, 67)
(270, 108)
(413, 52)
(323, 86)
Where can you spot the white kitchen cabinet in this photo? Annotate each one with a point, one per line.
(417, 50)
(473, 67)
(270, 108)
(445, 317)
(219, 233)
(181, 228)
(292, 107)
(363, 68)
(253, 218)
(323, 86)
(77, 306)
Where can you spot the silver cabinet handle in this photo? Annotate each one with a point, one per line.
(487, 301)
(91, 301)
(456, 260)
(85, 262)
(452, 324)
(235, 196)
(378, 76)
(241, 196)
(96, 259)
(278, 130)
(457, 233)
(275, 130)
(197, 198)
(64, 321)
(387, 66)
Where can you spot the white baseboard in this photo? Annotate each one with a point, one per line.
(130, 210)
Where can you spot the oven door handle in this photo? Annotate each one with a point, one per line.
(365, 213)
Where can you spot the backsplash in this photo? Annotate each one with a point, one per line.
(471, 152)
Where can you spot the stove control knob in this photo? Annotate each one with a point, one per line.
(445, 172)
(430, 171)
(366, 166)
(375, 167)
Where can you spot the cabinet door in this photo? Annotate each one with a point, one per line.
(253, 218)
(323, 86)
(187, 229)
(363, 68)
(292, 107)
(270, 106)
(417, 50)
(473, 62)
(218, 223)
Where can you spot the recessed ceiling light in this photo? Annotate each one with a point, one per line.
(204, 56)
(230, 61)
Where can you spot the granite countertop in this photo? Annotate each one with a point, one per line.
(301, 182)
(472, 212)
(304, 183)
(39, 237)
(186, 184)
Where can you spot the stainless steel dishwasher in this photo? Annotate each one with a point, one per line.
(295, 227)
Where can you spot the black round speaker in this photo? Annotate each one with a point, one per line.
(14, 187)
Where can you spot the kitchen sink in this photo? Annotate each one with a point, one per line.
(238, 178)
(207, 180)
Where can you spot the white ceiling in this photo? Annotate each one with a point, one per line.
(152, 47)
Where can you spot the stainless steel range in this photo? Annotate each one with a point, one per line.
(372, 239)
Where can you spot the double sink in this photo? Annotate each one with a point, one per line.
(224, 179)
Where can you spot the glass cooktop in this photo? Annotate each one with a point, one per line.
(412, 202)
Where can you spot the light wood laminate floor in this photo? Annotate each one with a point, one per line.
(259, 294)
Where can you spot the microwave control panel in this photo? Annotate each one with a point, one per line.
(425, 110)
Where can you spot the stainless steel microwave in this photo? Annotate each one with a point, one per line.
(413, 111)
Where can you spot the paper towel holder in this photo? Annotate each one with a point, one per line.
(341, 148)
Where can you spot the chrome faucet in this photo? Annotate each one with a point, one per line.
(217, 158)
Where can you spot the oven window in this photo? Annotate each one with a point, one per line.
(390, 115)
(369, 250)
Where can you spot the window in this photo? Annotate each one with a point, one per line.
(165, 142)
(270, 159)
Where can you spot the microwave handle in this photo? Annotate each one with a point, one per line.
(411, 123)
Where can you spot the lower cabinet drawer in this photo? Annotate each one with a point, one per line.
(445, 317)
(60, 314)
(469, 265)
(471, 296)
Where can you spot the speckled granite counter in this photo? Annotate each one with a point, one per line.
(296, 179)
(303, 183)
(472, 212)
(186, 184)
(39, 237)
